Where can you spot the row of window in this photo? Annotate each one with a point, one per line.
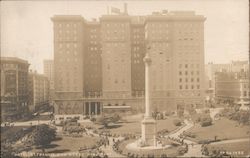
(68, 45)
(191, 79)
(189, 87)
(68, 25)
(67, 38)
(68, 60)
(187, 72)
(68, 31)
(68, 52)
(157, 25)
(116, 24)
(188, 65)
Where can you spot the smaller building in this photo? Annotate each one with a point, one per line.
(232, 87)
(38, 91)
(48, 70)
(211, 69)
(14, 92)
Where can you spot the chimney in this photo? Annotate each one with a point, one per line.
(125, 9)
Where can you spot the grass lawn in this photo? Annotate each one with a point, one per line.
(132, 125)
(223, 129)
(69, 144)
(237, 149)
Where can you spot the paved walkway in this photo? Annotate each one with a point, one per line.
(231, 141)
(109, 149)
(194, 149)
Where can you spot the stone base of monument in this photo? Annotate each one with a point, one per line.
(136, 146)
(148, 137)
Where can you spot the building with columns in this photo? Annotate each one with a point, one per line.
(99, 63)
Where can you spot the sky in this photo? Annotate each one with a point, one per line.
(27, 30)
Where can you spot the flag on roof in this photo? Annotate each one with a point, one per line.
(115, 10)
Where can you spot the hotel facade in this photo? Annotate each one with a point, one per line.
(99, 64)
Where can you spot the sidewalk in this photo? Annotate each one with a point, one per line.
(194, 149)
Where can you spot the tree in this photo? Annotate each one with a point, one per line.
(206, 121)
(8, 152)
(42, 135)
(177, 122)
(106, 120)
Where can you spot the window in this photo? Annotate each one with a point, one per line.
(180, 73)
(186, 79)
(180, 80)
(180, 86)
(198, 86)
(186, 72)
(186, 65)
(245, 93)
(186, 87)
(192, 86)
(198, 80)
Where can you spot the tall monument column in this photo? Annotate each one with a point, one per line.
(148, 123)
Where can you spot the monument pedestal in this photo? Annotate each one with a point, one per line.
(148, 131)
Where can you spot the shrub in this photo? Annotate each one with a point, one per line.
(93, 119)
(177, 122)
(206, 121)
(182, 151)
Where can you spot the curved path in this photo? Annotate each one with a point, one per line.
(194, 149)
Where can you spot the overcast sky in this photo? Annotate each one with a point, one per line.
(27, 31)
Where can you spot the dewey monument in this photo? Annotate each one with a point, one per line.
(148, 137)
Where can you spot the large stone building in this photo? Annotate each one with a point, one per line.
(99, 64)
(14, 88)
(38, 91)
(175, 41)
(232, 87)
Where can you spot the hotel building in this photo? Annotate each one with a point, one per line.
(99, 64)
